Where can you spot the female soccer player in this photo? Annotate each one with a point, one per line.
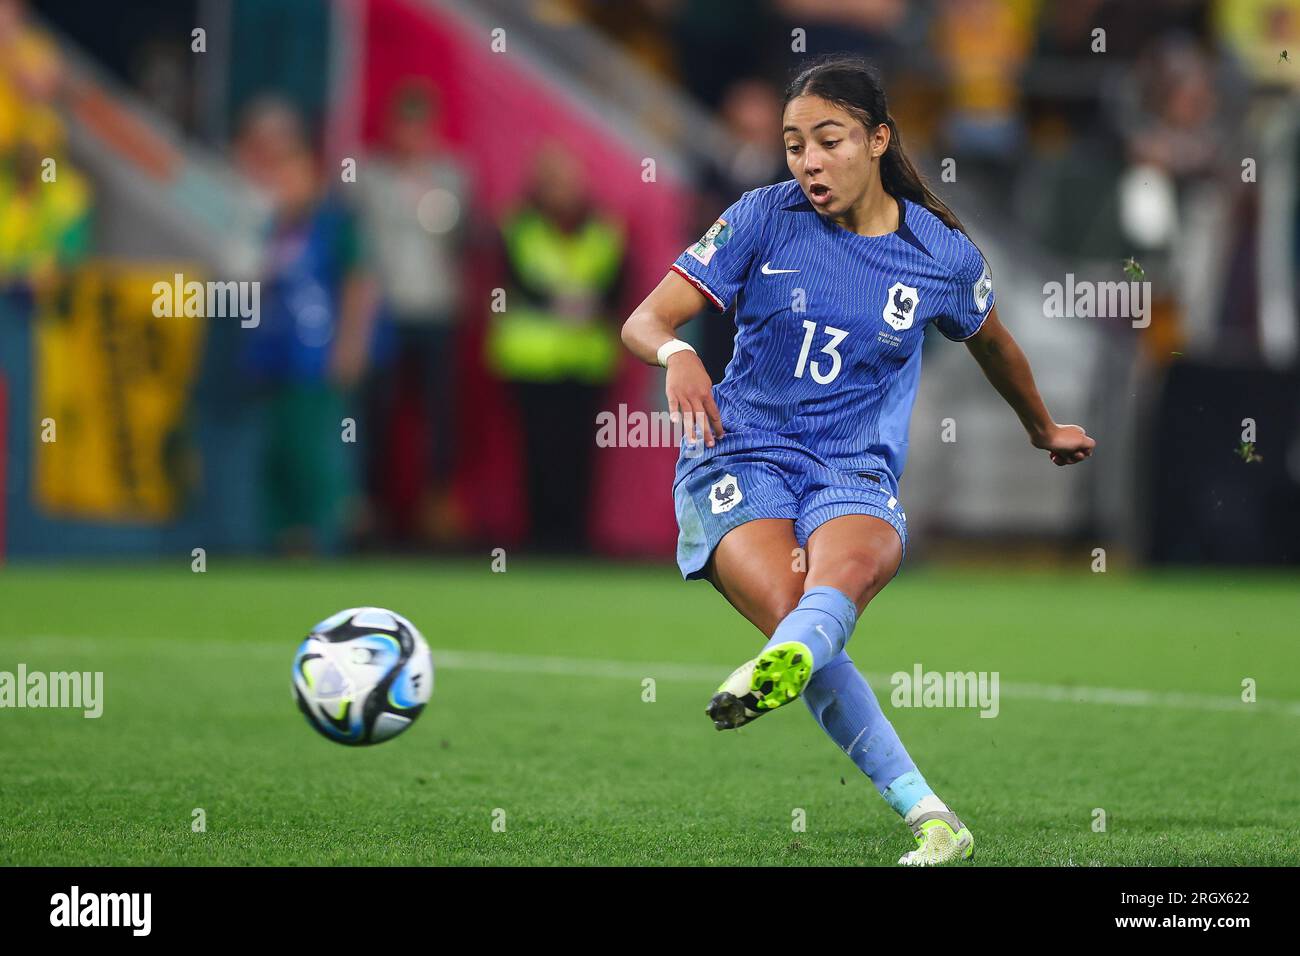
(836, 274)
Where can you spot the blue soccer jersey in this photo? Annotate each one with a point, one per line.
(829, 325)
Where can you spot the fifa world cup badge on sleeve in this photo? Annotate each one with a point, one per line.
(983, 287)
(714, 239)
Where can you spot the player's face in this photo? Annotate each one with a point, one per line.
(830, 153)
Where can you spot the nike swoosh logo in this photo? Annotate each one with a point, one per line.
(767, 269)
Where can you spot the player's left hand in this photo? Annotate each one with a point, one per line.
(1066, 444)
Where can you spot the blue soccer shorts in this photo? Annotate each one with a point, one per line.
(728, 490)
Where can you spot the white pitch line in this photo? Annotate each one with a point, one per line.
(575, 666)
(494, 662)
(1125, 697)
(1053, 693)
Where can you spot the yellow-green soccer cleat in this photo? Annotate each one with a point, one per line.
(940, 838)
(775, 677)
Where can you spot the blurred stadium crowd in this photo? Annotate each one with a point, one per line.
(1080, 134)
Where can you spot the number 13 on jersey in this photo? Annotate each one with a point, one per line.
(837, 336)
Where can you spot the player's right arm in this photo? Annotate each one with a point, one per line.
(708, 273)
(653, 323)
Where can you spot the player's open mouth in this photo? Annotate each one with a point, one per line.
(819, 193)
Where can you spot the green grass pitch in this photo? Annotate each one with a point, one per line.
(538, 712)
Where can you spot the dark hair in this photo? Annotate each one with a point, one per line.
(854, 86)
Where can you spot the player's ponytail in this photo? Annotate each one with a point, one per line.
(854, 86)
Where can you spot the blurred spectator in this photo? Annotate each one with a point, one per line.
(1171, 118)
(44, 202)
(715, 41)
(870, 28)
(413, 202)
(1171, 111)
(30, 72)
(44, 225)
(751, 113)
(1259, 33)
(556, 342)
(313, 342)
(984, 45)
(160, 69)
(642, 27)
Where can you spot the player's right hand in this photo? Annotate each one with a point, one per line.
(690, 398)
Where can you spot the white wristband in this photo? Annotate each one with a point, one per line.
(671, 347)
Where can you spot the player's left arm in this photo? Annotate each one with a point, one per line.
(1007, 369)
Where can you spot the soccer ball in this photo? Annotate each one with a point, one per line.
(362, 676)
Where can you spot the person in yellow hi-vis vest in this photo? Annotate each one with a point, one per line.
(555, 342)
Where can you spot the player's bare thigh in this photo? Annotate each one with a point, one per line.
(753, 567)
(856, 554)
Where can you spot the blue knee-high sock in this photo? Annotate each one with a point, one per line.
(843, 703)
(823, 621)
